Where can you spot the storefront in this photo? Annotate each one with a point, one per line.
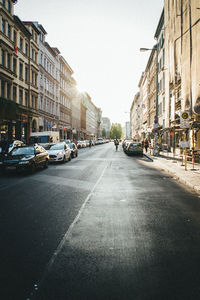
(16, 122)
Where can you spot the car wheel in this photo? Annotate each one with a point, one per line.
(76, 154)
(69, 158)
(32, 168)
(45, 164)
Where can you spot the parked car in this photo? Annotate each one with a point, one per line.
(67, 141)
(83, 144)
(74, 150)
(59, 152)
(133, 148)
(25, 158)
(14, 144)
(79, 145)
(87, 143)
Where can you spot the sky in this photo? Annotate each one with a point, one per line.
(100, 40)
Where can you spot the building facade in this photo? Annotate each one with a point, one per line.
(106, 125)
(18, 85)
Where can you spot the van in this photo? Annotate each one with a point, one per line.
(44, 137)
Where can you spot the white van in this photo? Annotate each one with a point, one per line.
(44, 137)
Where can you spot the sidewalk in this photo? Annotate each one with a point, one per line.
(173, 166)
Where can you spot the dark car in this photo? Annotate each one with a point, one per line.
(74, 150)
(26, 158)
(133, 148)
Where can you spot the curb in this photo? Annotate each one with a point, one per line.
(181, 180)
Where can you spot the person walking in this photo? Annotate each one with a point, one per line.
(4, 145)
(116, 142)
(146, 144)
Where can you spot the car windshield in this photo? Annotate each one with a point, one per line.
(71, 146)
(57, 147)
(135, 145)
(23, 151)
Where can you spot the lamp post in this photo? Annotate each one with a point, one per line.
(155, 48)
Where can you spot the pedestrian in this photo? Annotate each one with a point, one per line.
(146, 144)
(4, 145)
(116, 142)
(90, 143)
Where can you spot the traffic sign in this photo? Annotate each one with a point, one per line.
(184, 119)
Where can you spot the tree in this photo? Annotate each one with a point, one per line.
(103, 132)
(116, 131)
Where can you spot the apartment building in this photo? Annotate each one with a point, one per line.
(106, 125)
(135, 119)
(182, 32)
(49, 82)
(18, 87)
(66, 95)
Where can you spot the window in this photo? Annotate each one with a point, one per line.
(32, 98)
(3, 57)
(35, 57)
(36, 103)
(26, 74)
(3, 25)
(3, 2)
(2, 88)
(33, 75)
(35, 79)
(26, 49)
(9, 31)
(32, 54)
(8, 61)
(9, 6)
(14, 65)
(26, 98)
(8, 91)
(163, 104)
(41, 58)
(21, 43)
(20, 96)
(14, 93)
(15, 37)
(21, 71)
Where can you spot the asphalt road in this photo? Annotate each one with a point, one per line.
(102, 226)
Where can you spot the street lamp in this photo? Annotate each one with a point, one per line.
(155, 48)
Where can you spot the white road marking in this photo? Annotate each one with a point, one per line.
(66, 236)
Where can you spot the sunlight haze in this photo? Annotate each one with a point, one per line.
(100, 40)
